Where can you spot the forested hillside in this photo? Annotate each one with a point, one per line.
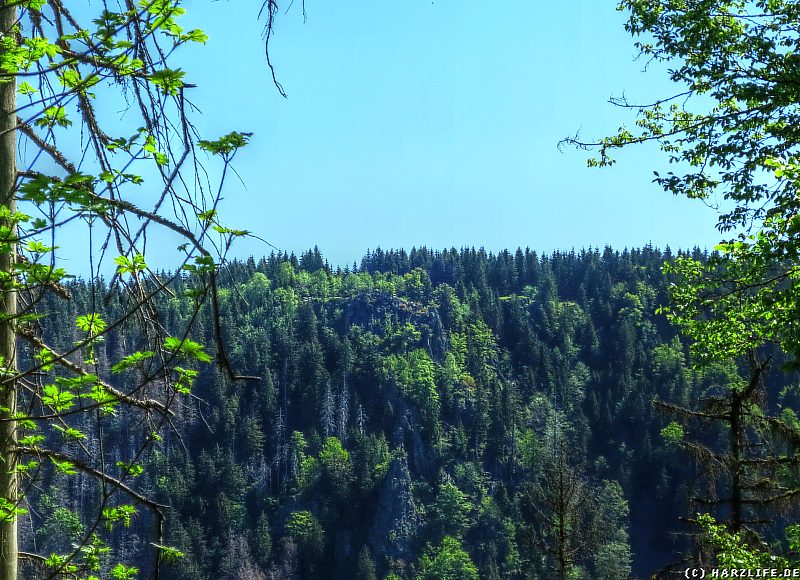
(452, 414)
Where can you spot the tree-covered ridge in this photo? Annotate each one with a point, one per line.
(453, 414)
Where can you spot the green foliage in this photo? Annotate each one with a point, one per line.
(123, 572)
(415, 374)
(731, 551)
(729, 130)
(119, 514)
(227, 145)
(92, 324)
(305, 530)
(186, 349)
(57, 399)
(727, 127)
(448, 561)
(451, 511)
(613, 557)
(613, 560)
(365, 569)
(62, 525)
(303, 527)
(132, 265)
(132, 360)
(337, 468)
(402, 337)
(130, 469)
(169, 555)
(673, 433)
(747, 295)
(110, 381)
(262, 540)
(264, 490)
(169, 81)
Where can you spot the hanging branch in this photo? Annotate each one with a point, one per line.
(52, 69)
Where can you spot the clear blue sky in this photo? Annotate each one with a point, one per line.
(411, 122)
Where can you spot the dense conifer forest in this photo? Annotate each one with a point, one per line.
(447, 414)
(422, 415)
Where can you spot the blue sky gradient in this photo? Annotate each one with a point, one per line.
(433, 123)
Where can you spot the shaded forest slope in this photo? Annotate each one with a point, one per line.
(412, 415)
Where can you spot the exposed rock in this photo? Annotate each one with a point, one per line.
(395, 523)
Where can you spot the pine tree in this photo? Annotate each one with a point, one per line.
(365, 568)
(343, 411)
(328, 411)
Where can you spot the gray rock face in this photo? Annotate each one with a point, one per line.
(396, 521)
(370, 309)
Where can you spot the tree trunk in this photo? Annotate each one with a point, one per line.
(8, 310)
(736, 463)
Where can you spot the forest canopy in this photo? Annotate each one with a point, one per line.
(415, 414)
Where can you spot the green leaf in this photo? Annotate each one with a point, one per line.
(119, 514)
(45, 356)
(186, 349)
(130, 469)
(10, 510)
(57, 399)
(92, 324)
(196, 35)
(169, 555)
(23, 468)
(31, 440)
(65, 467)
(133, 265)
(37, 247)
(185, 379)
(59, 563)
(35, 5)
(169, 81)
(70, 433)
(52, 116)
(122, 572)
(227, 145)
(207, 216)
(24, 88)
(137, 358)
